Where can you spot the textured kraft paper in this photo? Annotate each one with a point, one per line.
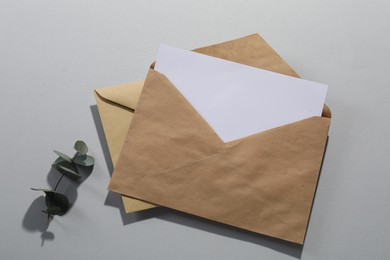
(263, 183)
(116, 104)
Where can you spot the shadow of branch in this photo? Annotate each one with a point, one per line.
(35, 220)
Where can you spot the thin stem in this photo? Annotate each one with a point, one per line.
(58, 182)
(74, 156)
(69, 163)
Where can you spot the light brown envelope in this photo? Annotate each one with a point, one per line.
(263, 183)
(116, 106)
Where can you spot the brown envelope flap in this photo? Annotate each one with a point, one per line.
(250, 50)
(173, 158)
(153, 141)
(253, 50)
(116, 109)
(125, 95)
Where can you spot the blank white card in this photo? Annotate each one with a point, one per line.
(237, 100)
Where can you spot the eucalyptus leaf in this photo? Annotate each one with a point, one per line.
(54, 211)
(63, 156)
(57, 163)
(81, 147)
(56, 202)
(84, 160)
(69, 172)
(55, 199)
(44, 190)
(60, 161)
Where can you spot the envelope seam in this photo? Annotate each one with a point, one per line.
(114, 103)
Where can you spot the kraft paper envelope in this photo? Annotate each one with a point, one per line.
(116, 106)
(117, 103)
(263, 183)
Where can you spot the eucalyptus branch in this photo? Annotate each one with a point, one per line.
(57, 203)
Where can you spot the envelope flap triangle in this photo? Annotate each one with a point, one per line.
(250, 50)
(166, 128)
(125, 95)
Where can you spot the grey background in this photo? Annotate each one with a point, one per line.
(54, 53)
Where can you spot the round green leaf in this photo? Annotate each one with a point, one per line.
(84, 160)
(56, 203)
(81, 147)
(69, 172)
(59, 161)
(63, 156)
(44, 190)
(56, 200)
